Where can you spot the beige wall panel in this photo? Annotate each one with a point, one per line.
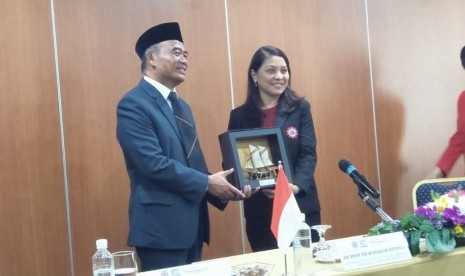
(326, 43)
(417, 79)
(98, 65)
(33, 235)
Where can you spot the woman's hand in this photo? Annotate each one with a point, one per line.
(294, 188)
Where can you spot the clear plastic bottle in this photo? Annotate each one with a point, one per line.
(102, 261)
(301, 246)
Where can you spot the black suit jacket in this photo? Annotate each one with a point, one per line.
(168, 199)
(301, 151)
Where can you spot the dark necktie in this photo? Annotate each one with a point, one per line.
(188, 134)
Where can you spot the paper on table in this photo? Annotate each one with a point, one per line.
(205, 268)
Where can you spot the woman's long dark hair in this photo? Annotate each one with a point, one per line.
(287, 101)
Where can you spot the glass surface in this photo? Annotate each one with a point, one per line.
(323, 251)
(125, 263)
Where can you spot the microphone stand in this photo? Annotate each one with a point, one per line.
(374, 205)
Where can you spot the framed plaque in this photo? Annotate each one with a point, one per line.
(254, 154)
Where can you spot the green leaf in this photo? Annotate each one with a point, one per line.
(374, 231)
(435, 195)
(426, 226)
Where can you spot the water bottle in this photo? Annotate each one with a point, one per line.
(102, 261)
(301, 246)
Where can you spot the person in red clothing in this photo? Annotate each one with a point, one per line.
(456, 145)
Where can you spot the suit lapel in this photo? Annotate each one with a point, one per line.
(161, 103)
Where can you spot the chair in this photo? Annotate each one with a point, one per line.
(421, 193)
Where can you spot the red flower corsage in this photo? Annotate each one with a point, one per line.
(292, 132)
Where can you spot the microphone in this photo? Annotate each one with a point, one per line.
(358, 179)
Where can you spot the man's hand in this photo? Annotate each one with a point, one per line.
(248, 192)
(219, 186)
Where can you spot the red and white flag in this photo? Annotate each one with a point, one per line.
(286, 217)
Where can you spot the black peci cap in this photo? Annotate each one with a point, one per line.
(157, 34)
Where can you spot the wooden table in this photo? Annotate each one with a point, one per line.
(450, 264)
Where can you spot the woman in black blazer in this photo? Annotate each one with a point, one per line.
(272, 103)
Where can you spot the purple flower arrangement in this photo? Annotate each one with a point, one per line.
(447, 210)
(440, 222)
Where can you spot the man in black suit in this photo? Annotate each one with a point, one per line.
(170, 184)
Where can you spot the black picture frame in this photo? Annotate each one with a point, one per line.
(239, 150)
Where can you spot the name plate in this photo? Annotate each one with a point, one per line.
(267, 183)
(373, 251)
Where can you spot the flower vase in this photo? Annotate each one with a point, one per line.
(460, 241)
(422, 245)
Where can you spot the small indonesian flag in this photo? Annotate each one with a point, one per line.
(286, 217)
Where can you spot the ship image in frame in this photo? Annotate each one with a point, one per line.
(258, 162)
(254, 154)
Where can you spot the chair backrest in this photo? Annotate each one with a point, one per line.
(421, 193)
